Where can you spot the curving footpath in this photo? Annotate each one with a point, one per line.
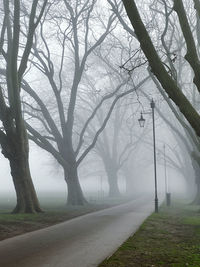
(84, 241)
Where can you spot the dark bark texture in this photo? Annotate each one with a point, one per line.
(16, 152)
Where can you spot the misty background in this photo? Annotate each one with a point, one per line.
(86, 83)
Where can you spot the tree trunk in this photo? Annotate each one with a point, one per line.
(27, 201)
(196, 200)
(195, 159)
(75, 195)
(15, 149)
(129, 185)
(113, 182)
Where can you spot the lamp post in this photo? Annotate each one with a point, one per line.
(167, 194)
(165, 168)
(142, 122)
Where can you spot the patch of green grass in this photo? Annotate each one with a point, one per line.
(169, 238)
(193, 220)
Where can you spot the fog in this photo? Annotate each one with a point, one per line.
(99, 128)
(48, 177)
(82, 90)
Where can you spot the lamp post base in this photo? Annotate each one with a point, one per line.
(156, 205)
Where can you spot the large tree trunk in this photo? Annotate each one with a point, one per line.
(75, 195)
(27, 201)
(16, 149)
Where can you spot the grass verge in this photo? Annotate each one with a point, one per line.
(169, 238)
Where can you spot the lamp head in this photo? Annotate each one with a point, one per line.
(141, 120)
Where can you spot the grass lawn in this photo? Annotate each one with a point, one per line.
(169, 238)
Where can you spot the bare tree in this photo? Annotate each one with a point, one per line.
(76, 42)
(13, 135)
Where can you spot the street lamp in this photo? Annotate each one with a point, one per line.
(141, 122)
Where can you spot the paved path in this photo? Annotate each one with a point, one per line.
(81, 242)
